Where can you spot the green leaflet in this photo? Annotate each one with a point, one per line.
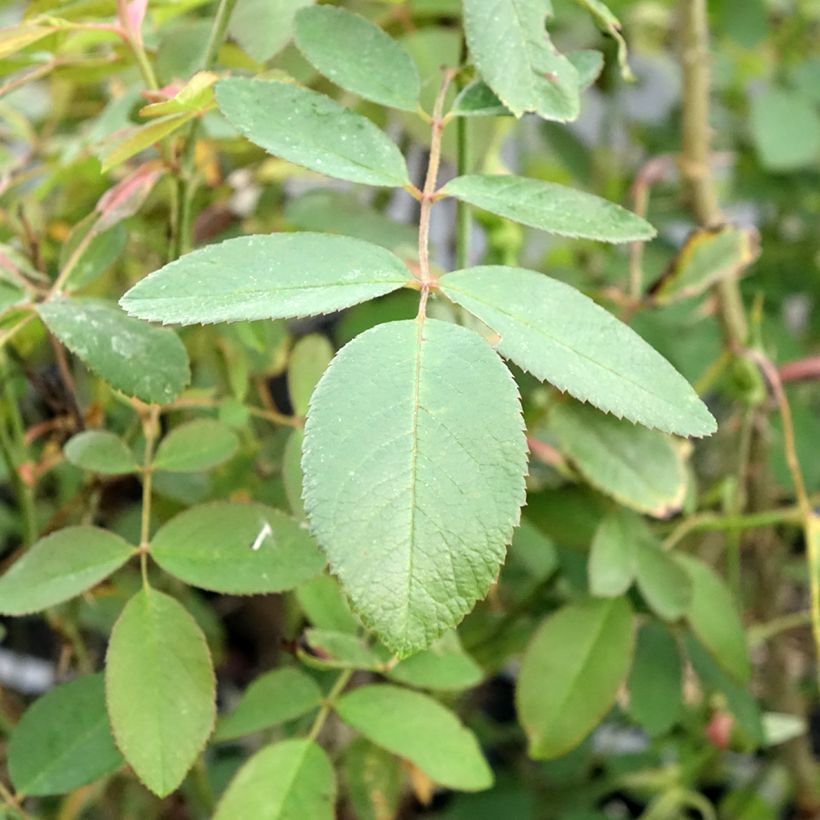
(786, 130)
(308, 360)
(312, 130)
(439, 744)
(60, 566)
(325, 606)
(279, 276)
(63, 740)
(101, 452)
(709, 255)
(358, 56)
(715, 621)
(550, 207)
(291, 780)
(263, 27)
(133, 357)
(642, 469)
(444, 666)
(414, 481)
(292, 474)
(340, 212)
(122, 145)
(160, 689)
(613, 554)
(739, 698)
(374, 781)
(516, 58)
(477, 99)
(656, 680)
(610, 24)
(571, 673)
(272, 699)
(664, 584)
(100, 254)
(239, 549)
(561, 336)
(196, 446)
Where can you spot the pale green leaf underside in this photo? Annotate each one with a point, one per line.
(513, 52)
(160, 689)
(714, 619)
(312, 130)
(642, 469)
(195, 446)
(358, 56)
(60, 566)
(420, 729)
(445, 665)
(262, 28)
(663, 583)
(571, 673)
(276, 276)
(133, 357)
(239, 549)
(290, 780)
(563, 337)
(550, 207)
(413, 481)
(273, 698)
(655, 680)
(100, 451)
(63, 740)
(612, 555)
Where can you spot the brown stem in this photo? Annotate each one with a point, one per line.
(428, 194)
(695, 161)
(801, 370)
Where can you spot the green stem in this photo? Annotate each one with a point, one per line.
(760, 633)
(187, 182)
(150, 425)
(328, 703)
(717, 522)
(9, 333)
(11, 443)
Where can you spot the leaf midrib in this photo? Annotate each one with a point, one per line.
(588, 653)
(414, 449)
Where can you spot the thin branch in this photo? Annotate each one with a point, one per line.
(428, 194)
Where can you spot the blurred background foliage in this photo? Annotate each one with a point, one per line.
(683, 740)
